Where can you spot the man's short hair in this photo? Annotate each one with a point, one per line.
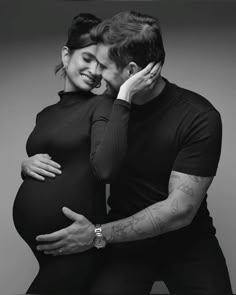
(131, 36)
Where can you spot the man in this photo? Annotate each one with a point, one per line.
(158, 200)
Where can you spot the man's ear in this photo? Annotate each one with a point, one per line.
(132, 68)
(65, 55)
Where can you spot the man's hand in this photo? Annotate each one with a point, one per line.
(78, 237)
(140, 83)
(40, 166)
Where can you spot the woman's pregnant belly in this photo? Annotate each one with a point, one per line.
(38, 205)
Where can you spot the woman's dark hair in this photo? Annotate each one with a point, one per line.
(79, 33)
(131, 36)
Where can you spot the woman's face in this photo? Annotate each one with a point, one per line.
(82, 70)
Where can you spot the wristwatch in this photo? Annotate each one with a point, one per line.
(99, 241)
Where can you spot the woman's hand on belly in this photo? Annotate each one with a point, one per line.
(40, 166)
(78, 237)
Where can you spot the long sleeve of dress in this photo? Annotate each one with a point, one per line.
(109, 138)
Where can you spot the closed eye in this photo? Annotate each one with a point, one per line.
(87, 59)
(101, 66)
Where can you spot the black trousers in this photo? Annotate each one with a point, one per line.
(196, 267)
(66, 274)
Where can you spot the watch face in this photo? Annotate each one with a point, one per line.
(99, 242)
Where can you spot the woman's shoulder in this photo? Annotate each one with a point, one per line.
(46, 109)
(102, 101)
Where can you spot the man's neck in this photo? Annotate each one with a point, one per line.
(140, 100)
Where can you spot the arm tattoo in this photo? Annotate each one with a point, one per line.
(175, 175)
(171, 187)
(186, 189)
(159, 223)
(155, 224)
(174, 206)
(174, 178)
(157, 206)
(122, 230)
(197, 179)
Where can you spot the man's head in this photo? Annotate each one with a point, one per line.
(127, 42)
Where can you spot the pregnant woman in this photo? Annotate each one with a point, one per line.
(84, 134)
(71, 132)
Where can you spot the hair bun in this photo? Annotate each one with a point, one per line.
(82, 24)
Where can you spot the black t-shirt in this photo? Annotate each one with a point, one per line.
(178, 130)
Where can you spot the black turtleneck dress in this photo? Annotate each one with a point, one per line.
(84, 135)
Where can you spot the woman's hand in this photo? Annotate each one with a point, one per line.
(40, 166)
(140, 83)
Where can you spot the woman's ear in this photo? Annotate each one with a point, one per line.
(132, 68)
(65, 55)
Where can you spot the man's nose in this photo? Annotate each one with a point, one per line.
(95, 69)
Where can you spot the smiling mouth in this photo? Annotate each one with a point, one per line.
(88, 78)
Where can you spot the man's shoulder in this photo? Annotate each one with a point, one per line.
(193, 100)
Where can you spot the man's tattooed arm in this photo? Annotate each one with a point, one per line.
(186, 193)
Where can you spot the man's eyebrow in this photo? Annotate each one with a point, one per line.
(102, 65)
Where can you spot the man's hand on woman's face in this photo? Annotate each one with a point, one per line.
(40, 166)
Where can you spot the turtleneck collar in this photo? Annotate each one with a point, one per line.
(72, 97)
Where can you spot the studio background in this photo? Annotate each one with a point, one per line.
(200, 43)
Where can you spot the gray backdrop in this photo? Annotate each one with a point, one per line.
(200, 44)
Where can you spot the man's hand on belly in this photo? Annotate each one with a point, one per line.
(78, 237)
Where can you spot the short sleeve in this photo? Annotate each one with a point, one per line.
(200, 149)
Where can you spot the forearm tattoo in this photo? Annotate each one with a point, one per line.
(157, 206)
(156, 212)
(156, 225)
(124, 229)
(163, 216)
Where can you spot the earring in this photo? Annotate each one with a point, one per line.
(98, 85)
(64, 67)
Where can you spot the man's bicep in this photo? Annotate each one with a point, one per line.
(188, 190)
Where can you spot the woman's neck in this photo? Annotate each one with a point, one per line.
(68, 86)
